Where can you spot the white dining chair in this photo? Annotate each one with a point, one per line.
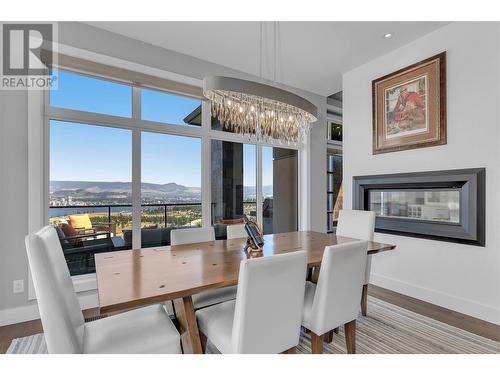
(191, 235)
(194, 235)
(145, 330)
(265, 318)
(334, 300)
(360, 225)
(236, 231)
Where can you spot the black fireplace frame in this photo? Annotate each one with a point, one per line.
(470, 182)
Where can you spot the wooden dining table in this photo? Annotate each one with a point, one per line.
(130, 279)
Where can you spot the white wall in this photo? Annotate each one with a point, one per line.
(14, 193)
(460, 277)
(14, 151)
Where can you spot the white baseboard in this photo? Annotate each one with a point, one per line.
(29, 312)
(455, 303)
(19, 314)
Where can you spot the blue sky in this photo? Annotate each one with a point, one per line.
(171, 158)
(93, 95)
(97, 153)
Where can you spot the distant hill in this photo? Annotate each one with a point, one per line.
(114, 186)
(249, 191)
(104, 191)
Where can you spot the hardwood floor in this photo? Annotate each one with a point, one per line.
(10, 332)
(453, 318)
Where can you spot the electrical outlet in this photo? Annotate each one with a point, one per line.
(18, 286)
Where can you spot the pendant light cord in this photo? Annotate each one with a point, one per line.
(275, 48)
(261, 26)
(277, 40)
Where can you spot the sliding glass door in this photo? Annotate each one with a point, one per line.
(279, 190)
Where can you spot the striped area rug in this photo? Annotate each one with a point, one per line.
(388, 329)
(34, 344)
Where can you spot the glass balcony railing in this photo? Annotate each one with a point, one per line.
(162, 215)
(112, 229)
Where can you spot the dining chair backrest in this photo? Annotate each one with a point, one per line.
(191, 235)
(269, 301)
(359, 225)
(236, 231)
(62, 318)
(338, 291)
(356, 224)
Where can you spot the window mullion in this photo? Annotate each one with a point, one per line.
(136, 171)
(136, 189)
(136, 103)
(206, 157)
(258, 187)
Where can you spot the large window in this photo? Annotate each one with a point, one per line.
(171, 186)
(103, 132)
(90, 190)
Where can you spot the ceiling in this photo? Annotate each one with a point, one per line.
(311, 55)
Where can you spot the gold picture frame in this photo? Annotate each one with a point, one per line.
(409, 107)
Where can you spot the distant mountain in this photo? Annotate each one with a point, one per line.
(97, 186)
(105, 191)
(250, 192)
(89, 185)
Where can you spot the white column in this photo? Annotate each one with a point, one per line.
(206, 166)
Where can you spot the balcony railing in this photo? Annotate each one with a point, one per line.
(80, 255)
(166, 214)
(161, 214)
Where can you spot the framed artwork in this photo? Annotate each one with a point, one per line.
(409, 107)
(334, 131)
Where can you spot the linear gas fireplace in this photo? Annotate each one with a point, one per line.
(440, 205)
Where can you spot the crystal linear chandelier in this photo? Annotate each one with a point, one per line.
(265, 111)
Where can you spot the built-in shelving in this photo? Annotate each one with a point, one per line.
(334, 160)
(334, 181)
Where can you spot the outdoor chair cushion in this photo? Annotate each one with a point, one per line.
(80, 221)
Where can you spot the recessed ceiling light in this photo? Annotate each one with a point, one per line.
(388, 35)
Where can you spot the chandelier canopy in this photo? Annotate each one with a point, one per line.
(253, 108)
(263, 110)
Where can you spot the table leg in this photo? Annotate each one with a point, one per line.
(188, 327)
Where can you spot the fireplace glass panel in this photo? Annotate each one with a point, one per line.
(429, 205)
